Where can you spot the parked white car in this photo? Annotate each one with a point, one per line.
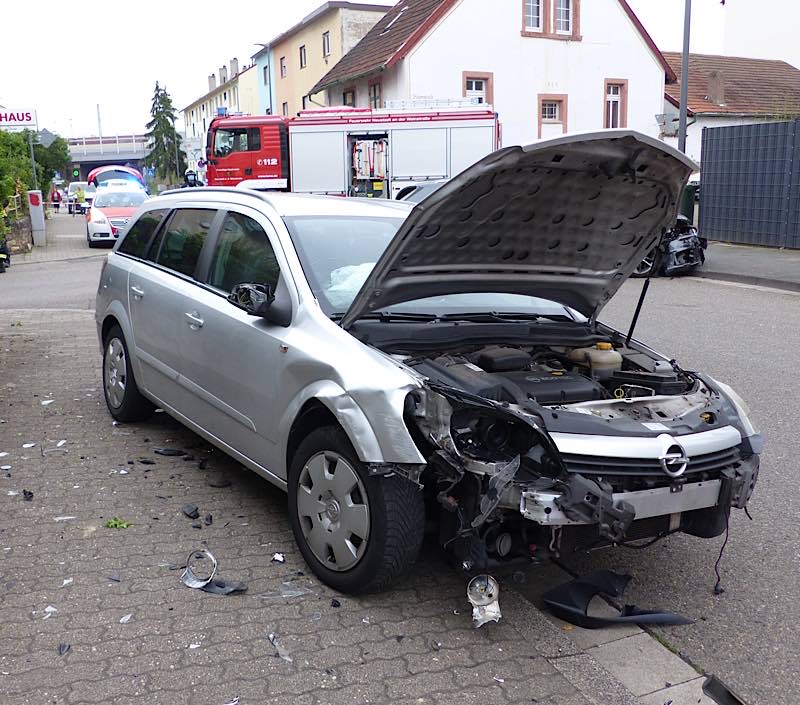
(381, 363)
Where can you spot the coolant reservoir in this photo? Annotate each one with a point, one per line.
(602, 358)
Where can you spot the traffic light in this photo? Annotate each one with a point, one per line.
(76, 173)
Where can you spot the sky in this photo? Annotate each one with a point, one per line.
(115, 56)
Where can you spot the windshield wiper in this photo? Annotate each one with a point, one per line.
(495, 316)
(389, 316)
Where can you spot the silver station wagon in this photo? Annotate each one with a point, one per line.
(387, 364)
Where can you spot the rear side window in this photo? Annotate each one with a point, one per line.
(138, 236)
(183, 238)
(243, 254)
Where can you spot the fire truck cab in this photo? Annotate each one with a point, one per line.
(350, 151)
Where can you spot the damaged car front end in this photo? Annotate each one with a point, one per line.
(545, 430)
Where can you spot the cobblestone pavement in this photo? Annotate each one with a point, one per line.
(137, 635)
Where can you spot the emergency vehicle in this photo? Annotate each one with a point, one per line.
(349, 151)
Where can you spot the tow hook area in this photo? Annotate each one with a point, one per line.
(585, 500)
(483, 593)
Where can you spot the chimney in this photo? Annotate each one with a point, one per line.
(234, 67)
(212, 82)
(716, 87)
(223, 75)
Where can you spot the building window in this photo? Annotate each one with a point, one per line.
(266, 75)
(285, 108)
(551, 111)
(533, 15)
(616, 103)
(552, 114)
(326, 43)
(283, 67)
(349, 97)
(375, 95)
(563, 23)
(305, 102)
(477, 85)
(303, 56)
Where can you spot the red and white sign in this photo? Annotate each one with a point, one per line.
(14, 117)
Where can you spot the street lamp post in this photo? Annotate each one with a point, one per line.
(687, 20)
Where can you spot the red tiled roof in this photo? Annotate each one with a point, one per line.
(404, 25)
(749, 86)
(394, 34)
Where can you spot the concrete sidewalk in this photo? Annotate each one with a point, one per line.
(65, 239)
(748, 264)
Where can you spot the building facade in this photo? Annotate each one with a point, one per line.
(547, 66)
(290, 65)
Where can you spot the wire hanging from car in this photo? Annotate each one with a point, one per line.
(718, 589)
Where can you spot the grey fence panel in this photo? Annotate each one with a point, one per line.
(748, 180)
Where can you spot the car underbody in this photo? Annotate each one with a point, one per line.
(526, 439)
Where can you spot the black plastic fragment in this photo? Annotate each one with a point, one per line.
(335, 602)
(197, 525)
(147, 461)
(220, 586)
(63, 648)
(174, 452)
(208, 520)
(114, 577)
(27, 495)
(570, 601)
(191, 511)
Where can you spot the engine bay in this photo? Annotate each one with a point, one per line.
(554, 376)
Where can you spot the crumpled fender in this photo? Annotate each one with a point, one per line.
(381, 439)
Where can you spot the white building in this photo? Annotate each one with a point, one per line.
(729, 90)
(547, 66)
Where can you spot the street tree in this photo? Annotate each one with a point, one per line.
(165, 156)
(53, 158)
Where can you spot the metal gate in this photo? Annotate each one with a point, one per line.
(750, 184)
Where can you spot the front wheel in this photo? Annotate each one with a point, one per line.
(357, 532)
(124, 400)
(645, 267)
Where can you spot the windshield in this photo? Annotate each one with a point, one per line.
(338, 253)
(119, 199)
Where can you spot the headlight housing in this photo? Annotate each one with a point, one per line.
(741, 407)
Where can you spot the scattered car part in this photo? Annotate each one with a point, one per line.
(570, 601)
(63, 649)
(279, 650)
(126, 618)
(189, 578)
(288, 590)
(173, 452)
(715, 689)
(278, 558)
(27, 495)
(191, 511)
(483, 593)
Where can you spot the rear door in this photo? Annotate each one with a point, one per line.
(159, 294)
(231, 360)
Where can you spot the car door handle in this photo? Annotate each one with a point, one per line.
(194, 319)
(137, 292)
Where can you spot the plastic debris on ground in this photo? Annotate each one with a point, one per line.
(12, 493)
(278, 558)
(288, 590)
(28, 445)
(3, 454)
(27, 495)
(61, 443)
(335, 602)
(483, 593)
(498, 679)
(191, 511)
(279, 650)
(200, 574)
(45, 402)
(194, 646)
(64, 518)
(208, 519)
(114, 577)
(173, 452)
(570, 601)
(235, 701)
(49, 611)
(126, 618)
(67, 581)
(63, 648)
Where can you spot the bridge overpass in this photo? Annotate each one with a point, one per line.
(90, 152)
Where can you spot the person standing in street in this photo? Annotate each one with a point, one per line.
(80, 199)
(56, 199)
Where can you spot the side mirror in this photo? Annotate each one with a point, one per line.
(259, 300)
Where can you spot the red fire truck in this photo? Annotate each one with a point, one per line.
(349, 151)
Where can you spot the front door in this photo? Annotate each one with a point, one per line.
(234, 150)
(231, 360)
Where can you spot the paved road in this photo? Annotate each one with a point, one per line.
(750, 339)
(70, 283)
(745, 336)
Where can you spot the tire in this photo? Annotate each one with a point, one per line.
(645, 267)
(89, 239)
(383, 538)
(123, 398)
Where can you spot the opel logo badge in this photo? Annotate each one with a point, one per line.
(674, 462)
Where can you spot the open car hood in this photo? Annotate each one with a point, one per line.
(566, 219)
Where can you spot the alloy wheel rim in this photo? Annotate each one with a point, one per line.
(333, 511)
(115, 372)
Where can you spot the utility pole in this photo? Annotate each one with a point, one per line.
(177, 161)
(687, 21)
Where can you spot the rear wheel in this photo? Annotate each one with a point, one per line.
(123, 398)
(645, 267)
(357, 532)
